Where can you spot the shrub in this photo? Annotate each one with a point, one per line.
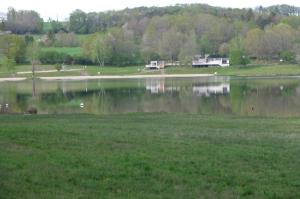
(58, 67)
(288, 56)
(53, 57)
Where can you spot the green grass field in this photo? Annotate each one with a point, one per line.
(154, 155)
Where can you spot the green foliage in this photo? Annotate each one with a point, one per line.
(73, 51)
(50, 37)
(53, 57)
(58, 67)
(288, 56)
(55, 26)
(237, 53)
(138, 35)
(293, 21)
(62, 39)
(78, 22)
(23, 21)
(29, 39)
(117, 47)
(205, 45)
(9, 63)
(12, 50)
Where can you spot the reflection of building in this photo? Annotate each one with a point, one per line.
(155, 85)
(207, 90)
(4, 108)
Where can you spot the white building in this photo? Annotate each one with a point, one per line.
(206, 61)
(156, 65)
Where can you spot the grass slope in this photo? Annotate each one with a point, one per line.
(149, 156)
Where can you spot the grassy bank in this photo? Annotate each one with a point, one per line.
(258, 70)
(149, 156)
(266, 70)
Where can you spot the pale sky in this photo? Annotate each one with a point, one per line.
(62, 8)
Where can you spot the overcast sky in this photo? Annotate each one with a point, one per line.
(62, 8)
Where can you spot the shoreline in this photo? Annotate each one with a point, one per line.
(124, 76)
(107, 77)
(90, 77)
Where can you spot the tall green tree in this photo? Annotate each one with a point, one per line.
(33, 50)
(170, 45)
(78, 22)
(189, 49)
(12, 50)
(102, 51)
(237, 53)
(23, 21)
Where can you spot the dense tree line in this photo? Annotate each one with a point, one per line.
(23, 21)
(136, 36)
(179, 32)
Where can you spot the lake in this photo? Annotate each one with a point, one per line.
(203, 95)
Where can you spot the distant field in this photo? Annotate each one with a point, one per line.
(68, 50)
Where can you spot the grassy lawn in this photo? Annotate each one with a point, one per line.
(113, 70)
(271, 70)
(149, 156)
(231, 71)
(268, 70)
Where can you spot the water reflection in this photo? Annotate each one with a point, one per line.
(207, 90)
(4, 108)
(214, 95)
(155, 85)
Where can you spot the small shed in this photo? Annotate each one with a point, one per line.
(156, 65)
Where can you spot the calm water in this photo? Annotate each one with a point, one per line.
(217, 95)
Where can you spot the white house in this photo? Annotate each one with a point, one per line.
(206, 61)
(156, 65)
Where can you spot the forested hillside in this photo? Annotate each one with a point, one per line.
(136, 36)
